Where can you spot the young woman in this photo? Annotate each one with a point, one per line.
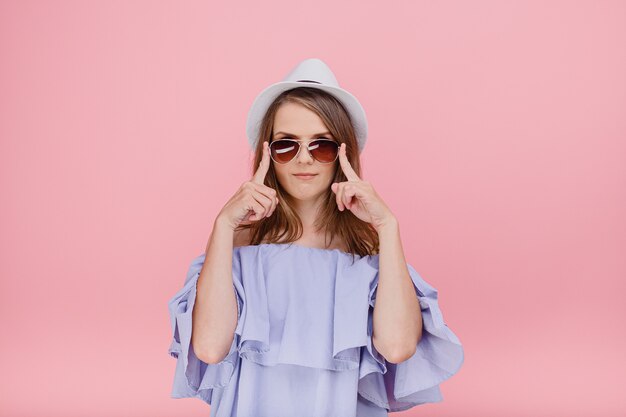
(303, 303)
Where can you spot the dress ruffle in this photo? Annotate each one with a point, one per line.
(439, 355)
(313, 307)
(301, 335)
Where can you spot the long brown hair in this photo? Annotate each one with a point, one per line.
(285, 226)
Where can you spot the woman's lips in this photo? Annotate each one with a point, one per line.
(304, 177)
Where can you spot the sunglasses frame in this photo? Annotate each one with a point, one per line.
(298, 141)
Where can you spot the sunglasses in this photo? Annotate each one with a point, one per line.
(324, 151)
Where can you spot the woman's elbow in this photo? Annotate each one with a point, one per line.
(209, 355)
(401, 355)
(213, 359)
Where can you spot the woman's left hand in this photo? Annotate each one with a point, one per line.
(359, 196)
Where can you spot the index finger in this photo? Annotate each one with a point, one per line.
(350, 174)
(264, 166)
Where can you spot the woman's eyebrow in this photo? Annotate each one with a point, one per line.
(291, 134)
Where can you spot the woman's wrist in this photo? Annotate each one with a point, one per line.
(389, 224)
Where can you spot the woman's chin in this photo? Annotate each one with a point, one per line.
(306, 193)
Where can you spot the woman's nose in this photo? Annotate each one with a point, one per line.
(304, 156)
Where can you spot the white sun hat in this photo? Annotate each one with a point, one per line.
(313, 73)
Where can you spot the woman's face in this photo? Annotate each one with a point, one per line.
(295, 121)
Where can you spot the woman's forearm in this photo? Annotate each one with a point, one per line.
(214, 314)
(397, 317)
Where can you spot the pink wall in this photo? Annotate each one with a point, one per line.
(122, 128)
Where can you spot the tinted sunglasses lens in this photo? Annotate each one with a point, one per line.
(324, 151)
(284, 151)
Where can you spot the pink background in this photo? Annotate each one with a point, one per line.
(497, 137)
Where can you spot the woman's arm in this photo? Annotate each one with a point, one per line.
(214, 313)
(397, 317)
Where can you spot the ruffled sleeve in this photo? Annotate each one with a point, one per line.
(438, 356)
(193, 377)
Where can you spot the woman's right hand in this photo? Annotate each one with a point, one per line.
(253, 200)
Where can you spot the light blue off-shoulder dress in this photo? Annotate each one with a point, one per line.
(303, 342)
